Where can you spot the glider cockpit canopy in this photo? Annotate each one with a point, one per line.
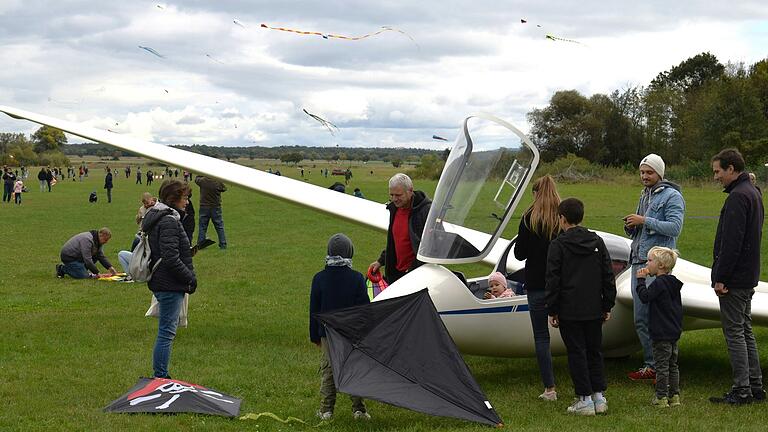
(484, 178)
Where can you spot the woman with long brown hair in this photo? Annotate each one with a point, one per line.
(539, 225)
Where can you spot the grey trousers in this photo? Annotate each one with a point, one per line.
(736, 318)
(328, 387)
(667, 372)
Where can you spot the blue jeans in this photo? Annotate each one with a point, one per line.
(7, 192)
(211, 214)
(641, 318)
(77, 270)
(169, 303)
(537, 309)
(125, 259)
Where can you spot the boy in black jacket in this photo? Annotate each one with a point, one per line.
(580, 293)
(665, 321)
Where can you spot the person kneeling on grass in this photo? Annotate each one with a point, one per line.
(335, 287)
(580, 293)
(79, 253)
(665, 321)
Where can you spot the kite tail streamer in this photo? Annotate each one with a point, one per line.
(254, 416)
(555, 38)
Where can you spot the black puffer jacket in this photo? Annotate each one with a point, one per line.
(168, 241)
(580, 284)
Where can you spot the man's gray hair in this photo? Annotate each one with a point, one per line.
(401, 179)
(106, 231)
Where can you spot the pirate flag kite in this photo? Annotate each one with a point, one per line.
(163, 395)
(398, 351)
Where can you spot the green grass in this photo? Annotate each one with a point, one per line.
(68, 348)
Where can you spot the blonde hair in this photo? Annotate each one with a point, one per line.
(543, 215)
(666, 257)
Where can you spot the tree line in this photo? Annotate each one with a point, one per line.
(686, 114)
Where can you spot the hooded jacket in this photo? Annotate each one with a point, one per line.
(665, 307)
(580, 285)
(419, 212)
(664, 208)
(736, 253)
(168, 241)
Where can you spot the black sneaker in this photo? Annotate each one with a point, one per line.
(731, 398)
(59, 271)
(758, 395)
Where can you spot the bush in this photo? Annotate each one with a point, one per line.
(430, 167)
(574, 169)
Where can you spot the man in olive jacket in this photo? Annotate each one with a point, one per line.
(210, 209)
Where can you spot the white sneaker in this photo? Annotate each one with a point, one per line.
(601, 404)
(582, 407)
(361, 415)
(548, 395)
(324, 415)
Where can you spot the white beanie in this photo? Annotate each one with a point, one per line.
(656, 162)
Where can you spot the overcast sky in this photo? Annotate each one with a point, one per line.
(221, 83)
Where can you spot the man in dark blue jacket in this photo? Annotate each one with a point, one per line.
(735, 273)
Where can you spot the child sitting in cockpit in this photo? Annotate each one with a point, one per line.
(497, 287)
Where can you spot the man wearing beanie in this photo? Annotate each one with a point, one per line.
(335, 287)
(657, 221)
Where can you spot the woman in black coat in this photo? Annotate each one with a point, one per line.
(539, 225)
(174, 275)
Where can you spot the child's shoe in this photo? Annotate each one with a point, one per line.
(660, 402)
(601, 404)
(361, 415)
(582, 407)
(324, 415)
(548, 395)
(644, 373)
(674, 401)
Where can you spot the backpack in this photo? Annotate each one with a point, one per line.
(140, 268)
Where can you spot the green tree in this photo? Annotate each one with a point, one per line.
(48, 139)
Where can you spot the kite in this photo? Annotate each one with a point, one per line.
(159, 6)
(525, 21)
(239, 23)
(437, 137)
(555, 38)
(336, 36)
(150, 50)
(165, 395)
(328, 125)
(165, 90)
(214, 59)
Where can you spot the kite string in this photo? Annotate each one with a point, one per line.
(289, 419)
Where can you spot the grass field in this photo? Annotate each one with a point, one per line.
(68, 348)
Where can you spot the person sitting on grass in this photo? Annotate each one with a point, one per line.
(497, 287)
(79, 253)
(665, 321)
(335, 287)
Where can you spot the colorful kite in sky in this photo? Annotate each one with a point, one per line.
(328, 125)
(337, 36)
(150, 50)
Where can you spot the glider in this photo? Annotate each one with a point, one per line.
(458, 231)
(439, 138)
(337, 36)
(328, 125)
(150, 50)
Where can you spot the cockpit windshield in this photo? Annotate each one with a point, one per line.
(483, 179)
